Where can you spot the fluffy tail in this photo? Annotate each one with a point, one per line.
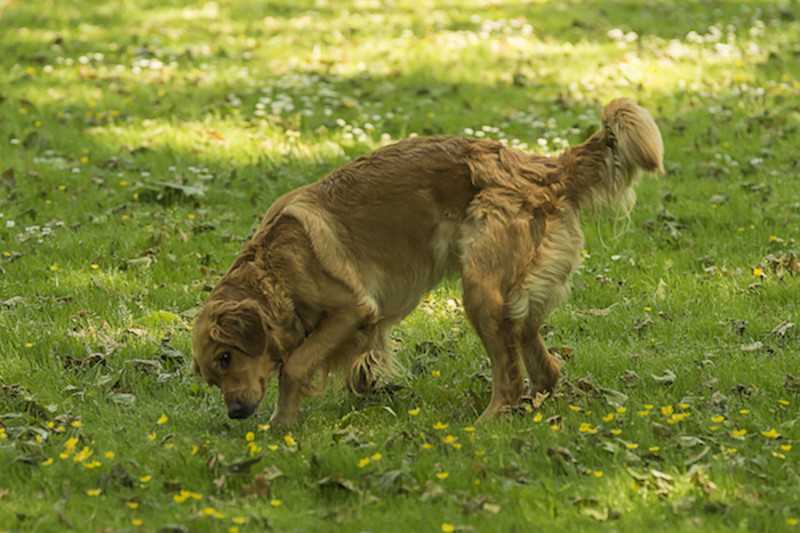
(634, 137)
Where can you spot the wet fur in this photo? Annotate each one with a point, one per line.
(335, 264)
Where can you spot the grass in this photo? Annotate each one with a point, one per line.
(141, 140)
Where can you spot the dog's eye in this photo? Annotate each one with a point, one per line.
(224, 360)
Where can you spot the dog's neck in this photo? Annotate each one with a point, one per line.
(592, 176)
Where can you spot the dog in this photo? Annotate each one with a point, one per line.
(335, 264)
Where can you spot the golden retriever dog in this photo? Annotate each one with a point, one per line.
(335, 264)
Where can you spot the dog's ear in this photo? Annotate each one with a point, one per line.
(239, 324)
(633, 135)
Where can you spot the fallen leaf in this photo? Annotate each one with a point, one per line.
(781, 329)
(667, 378)
(752, 347)
(338, 482)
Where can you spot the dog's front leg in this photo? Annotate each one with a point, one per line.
(324, 343)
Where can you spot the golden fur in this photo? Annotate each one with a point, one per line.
(335, 264)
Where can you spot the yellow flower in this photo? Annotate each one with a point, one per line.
(677, 417)
(585, 427)
(648, 406)
(29, 344)
(276, 502)
(772, 434)
(469, 429)
(289, 440)
(738, 433)
(151, 436)
(616, 432)
(653, 449)
(133, 505)
(195, 449)
(70, 445)
(84, 454)
(94, 266)
(54, 267)
(609, 417)
(272, 447)
(435, 373)
(377, 456)
(91, 465)
(537, 417)
(239, 520)
(163, 419)
(136, 522)
(631, 445)
(427, 445)
(666, 410)
(47, 462)
(449, 439)
(250, 436)
(744, 412)
(644, 413)
(439, 426)
(574, 408)
(210, 511)
(413, 412)
(791, 521)
(364, 461)
(718, 419)
(94, 492)
(598, 473)
(713, 428)
(621, 410)
(786, 447)
(146, 479)
(253, 448)
(263, 427)
(758, 272)
(233, 529)
(448, 527)
(683, 406)
(442, 475)
(76, 424)
(109, 455)
(784, 403)
(555, 428)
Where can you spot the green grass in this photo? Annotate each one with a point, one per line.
(141, 140)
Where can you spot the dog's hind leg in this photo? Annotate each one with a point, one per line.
(485, 278)
(487, 311)
(543, 368)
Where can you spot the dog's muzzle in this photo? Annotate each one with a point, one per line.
(238, 410)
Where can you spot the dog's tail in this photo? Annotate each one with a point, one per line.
(633, 135)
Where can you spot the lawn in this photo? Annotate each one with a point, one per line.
(140, 141)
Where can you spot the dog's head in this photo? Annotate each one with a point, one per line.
(232, 350)
(243, 333)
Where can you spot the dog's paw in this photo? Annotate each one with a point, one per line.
(281, 421)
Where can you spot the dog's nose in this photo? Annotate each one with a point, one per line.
(237, 410)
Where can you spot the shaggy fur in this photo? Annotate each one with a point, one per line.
(335, 264)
